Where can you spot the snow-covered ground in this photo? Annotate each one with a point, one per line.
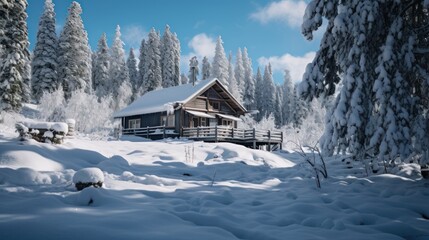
(179, 189)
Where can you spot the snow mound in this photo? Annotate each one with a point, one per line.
(88, 175)
(56, 126)
(24, 177)
(28, 159)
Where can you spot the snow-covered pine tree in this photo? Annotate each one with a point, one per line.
(133, 73)
(194, 70)
(239, 72)
(287, 100)
(249, 82)
(14, 66)
(233, 87)
(183, 79)
(167, 59)
(176, 56)
(220, 64)
(101, 68)
(378, 50)
(268, 92)
(141, 69)
(259, 99)
(152, 77)
(278, 115)
(119, 74)
(74, 54)
(206, 68)
(44, 61)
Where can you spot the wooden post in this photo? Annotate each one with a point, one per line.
(216, 133)
(163, 134)
(269, 140)
(281, 141)
(147, 131)
(198, 132)
(232, 133)
(254, 138)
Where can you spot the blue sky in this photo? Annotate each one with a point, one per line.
(269, 29)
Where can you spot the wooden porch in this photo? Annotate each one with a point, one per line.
(253, 138)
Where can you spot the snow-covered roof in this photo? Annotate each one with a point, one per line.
(162, 99)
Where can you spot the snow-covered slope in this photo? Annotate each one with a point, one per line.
(193, 190)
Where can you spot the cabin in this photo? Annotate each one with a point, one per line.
(205, 111)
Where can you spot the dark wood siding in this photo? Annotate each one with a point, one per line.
(146, 120)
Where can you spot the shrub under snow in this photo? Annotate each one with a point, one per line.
(87, 177)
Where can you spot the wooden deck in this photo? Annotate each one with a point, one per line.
(248, 137)
(253, 138)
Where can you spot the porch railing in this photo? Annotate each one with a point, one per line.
(151, 131)
(226, 133)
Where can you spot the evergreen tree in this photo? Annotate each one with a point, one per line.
(74, 54)
(377, 50)
(141, 69)
(119, 74)
(287, 100)
(206, 69)
(259, 98)
(167, 59)
(44, 62)
(101, 68)
(239, 72)
(278, 115)
(249, 82)
(232, 83)
(220, 64)
(268, 92)
(133, 73)
(152, 77)
(184, 79)
(14, 66)
(176, 56)
(194, 70)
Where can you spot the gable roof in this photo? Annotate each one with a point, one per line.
(160, 100)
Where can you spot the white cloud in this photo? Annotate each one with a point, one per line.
(289, 11)
(201, 45)
(295, 64)
(132, 35)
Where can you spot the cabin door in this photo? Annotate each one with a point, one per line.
(194, 122)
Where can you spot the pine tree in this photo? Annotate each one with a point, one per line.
(259, 98)
(101, 68)
(239, 72)
(194, 70)
(206, 68)
(232, 83)
(278, 115)
(268, 92)
(220, 64)
(119, 74)
(152, 77)
(167, 59)
(184, 79)
(141, 69)
(44, 62)
(74, 54)
(176, 56)
(249, 82)
(133, 73)
(287, 100)
(14, 66)
(377, 50)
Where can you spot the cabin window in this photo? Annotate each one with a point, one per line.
(215, 105)
(203, 122)
(227, 122)
(134, 123)
(167, 121)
